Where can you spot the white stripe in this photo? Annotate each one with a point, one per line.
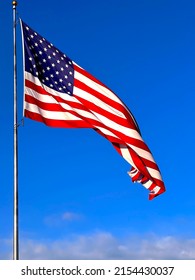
(93, 99)
(147, 184)
(154, 173)
(103, 90)
(49, 114)
(114, 125)
(143, 153)
(126, 155)
(42, 97)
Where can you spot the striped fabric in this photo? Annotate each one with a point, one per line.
(60, 93)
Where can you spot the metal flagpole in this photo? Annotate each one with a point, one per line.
(15, 232)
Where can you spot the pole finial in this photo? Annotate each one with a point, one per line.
(14, 4)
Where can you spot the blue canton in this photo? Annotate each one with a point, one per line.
(44, 61)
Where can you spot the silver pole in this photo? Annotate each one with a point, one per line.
(15, 233)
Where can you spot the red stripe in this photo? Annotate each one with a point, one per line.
(79, 84)
(54, 123)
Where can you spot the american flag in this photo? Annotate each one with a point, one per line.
(60, 93)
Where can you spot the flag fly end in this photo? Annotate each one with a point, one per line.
(154, 194)
(60, 93)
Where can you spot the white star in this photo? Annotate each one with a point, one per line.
(58, 61)
(69, 84)
(45, 49)
(30, 58)
(53, 65)
(48, 68)
(49, 57)
(57, 73)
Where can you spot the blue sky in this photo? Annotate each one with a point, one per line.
(76, 200)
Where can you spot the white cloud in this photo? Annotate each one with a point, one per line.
(104, 245)
(70, 216)
(58, 219)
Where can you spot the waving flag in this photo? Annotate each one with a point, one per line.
(60, 93)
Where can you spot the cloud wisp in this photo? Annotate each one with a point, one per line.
(59, 219)
(105, 246)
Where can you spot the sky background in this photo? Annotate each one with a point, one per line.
(76, 200)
